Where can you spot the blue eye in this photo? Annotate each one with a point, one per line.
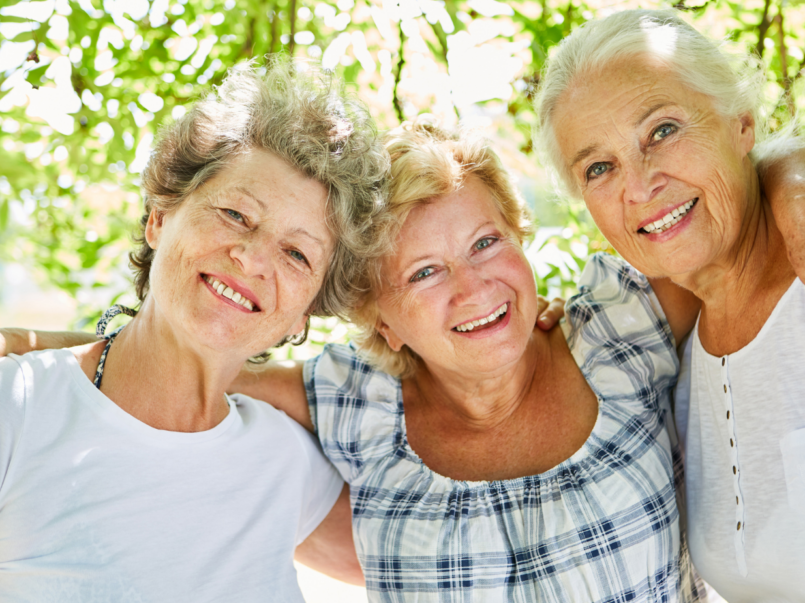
(596, 170)
(663, 131)
(423, 274)
(235, 215)
(298, 256)
(484, 243)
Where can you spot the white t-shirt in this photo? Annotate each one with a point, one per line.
(741, 418)
(96, 506)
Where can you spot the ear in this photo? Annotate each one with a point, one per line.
(746, 136)
(394, 341)
(153, 228)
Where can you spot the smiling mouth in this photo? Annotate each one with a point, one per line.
(669, 219)
(230, 294)
(484, 323)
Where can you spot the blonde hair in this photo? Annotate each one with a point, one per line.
(428, 161)
(733, 80)
(300, 114)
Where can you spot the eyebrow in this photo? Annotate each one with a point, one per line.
(646, 114)
(245, 191)
(583, 154)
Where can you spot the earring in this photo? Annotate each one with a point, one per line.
(301, 337)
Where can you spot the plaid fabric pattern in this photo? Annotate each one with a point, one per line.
(603, 526)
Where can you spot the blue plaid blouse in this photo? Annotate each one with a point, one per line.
(601, 526)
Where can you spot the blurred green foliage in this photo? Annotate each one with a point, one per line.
(85, 84)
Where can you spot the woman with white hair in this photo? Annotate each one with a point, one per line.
(655, 127)
(126, 472)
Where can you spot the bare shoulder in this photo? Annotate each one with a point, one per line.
(88, 356)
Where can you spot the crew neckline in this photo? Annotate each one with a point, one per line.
(115, 414)
(767, 327)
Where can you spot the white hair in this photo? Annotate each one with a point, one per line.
(733, 80)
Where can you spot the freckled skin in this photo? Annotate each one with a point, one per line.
(257, 245)
(681, 151)
(490, 404)
(463, 283)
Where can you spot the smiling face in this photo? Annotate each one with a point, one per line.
(240, 261)
(666, 178)
(460, 291)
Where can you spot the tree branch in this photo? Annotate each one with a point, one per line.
(763, 27)
(272, 43)
(292, 41)
(398, 75)
(787, 92)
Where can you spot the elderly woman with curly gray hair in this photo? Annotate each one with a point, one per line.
(126, 472)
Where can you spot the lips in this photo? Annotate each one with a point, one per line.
(487, 321)
(233, 294)
(669, 219)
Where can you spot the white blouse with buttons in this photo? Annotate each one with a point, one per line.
(741, 419)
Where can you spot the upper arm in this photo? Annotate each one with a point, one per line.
(22, 341)
(329, 548)
(681, 307)
(279, 384)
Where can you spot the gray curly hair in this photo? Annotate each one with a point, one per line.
(300, 114)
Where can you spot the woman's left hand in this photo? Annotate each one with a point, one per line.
(784, 187)
(549, 312)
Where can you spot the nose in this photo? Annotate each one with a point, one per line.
(254, 257)
(642, 180)
(468, 284)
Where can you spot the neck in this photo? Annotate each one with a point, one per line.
(481, 402)
(740, 268)
(740, 289)
(154, 375)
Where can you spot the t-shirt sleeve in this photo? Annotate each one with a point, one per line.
(322, 485)
(12, 413)
(618, 333)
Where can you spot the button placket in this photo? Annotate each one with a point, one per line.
(732, 450)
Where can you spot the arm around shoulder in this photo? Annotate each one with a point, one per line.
(22, 341)
(330, 549)
(783, 179)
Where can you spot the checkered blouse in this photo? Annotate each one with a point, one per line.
(601, 526)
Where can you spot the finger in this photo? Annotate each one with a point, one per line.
(552, 314)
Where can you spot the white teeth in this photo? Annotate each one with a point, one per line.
(229, 293)
(669, 219)
(469, 326)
